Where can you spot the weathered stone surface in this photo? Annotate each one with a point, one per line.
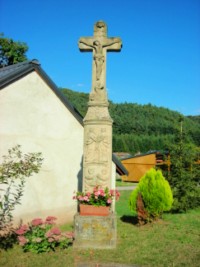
(99, 44)
(95, 231)
(97, 160)
(97, 156)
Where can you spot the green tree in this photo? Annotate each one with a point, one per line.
(184, 176)
(11, 52)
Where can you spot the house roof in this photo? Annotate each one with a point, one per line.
(14, 72)
(119, 166)
(146, 154)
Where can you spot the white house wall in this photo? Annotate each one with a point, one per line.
(32, 116)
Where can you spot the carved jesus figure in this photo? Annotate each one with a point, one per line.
(98, 52)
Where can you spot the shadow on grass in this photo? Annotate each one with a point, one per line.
(7, 241)
(129, 219)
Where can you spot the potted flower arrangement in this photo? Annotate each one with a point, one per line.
(97, 202)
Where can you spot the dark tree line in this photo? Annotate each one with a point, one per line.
(140, 128)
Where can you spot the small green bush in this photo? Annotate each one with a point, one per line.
(156, 194)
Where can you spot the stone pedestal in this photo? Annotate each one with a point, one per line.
(97, 232)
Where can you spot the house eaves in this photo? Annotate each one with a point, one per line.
(119, 166)
(15, 72)
(145, 154)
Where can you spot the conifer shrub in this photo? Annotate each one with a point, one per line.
(156, 195)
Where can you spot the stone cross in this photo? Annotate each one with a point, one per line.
(99, 44)
(97, 152)
(97, 231)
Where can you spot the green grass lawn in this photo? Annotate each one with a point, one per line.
(122, 183)
(173, 241)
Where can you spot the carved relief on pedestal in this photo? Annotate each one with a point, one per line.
(95, 175)
(96, 145)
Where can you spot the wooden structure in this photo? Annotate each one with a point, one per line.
(138, 165)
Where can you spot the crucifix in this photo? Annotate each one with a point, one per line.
(97, 158)
(99, 44)
(98, 168)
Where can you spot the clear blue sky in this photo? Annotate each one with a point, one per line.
(159, 62)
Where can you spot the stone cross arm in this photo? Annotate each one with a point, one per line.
(87, 44)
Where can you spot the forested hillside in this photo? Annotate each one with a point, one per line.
(140, 128)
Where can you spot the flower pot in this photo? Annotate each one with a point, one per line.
(89, 210)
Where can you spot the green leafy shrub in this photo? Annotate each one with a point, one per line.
(42, 236)
(155, 192)
(13, 172)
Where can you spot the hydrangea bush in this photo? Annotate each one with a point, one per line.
(99, 196)
(42, 236)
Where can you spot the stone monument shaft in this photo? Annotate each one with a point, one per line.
(97, 153)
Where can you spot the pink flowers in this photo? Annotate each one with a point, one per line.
(22, 230)
(22, 240)
(36, 222)
(86, 198)
(99, 196)
(55, 231)
(50, 220)
(117, 195)
(41, 235)
(53, 234)
(97, 193)
(68, 234)
(109, 201)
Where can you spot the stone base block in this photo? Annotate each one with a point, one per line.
(95, 231)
